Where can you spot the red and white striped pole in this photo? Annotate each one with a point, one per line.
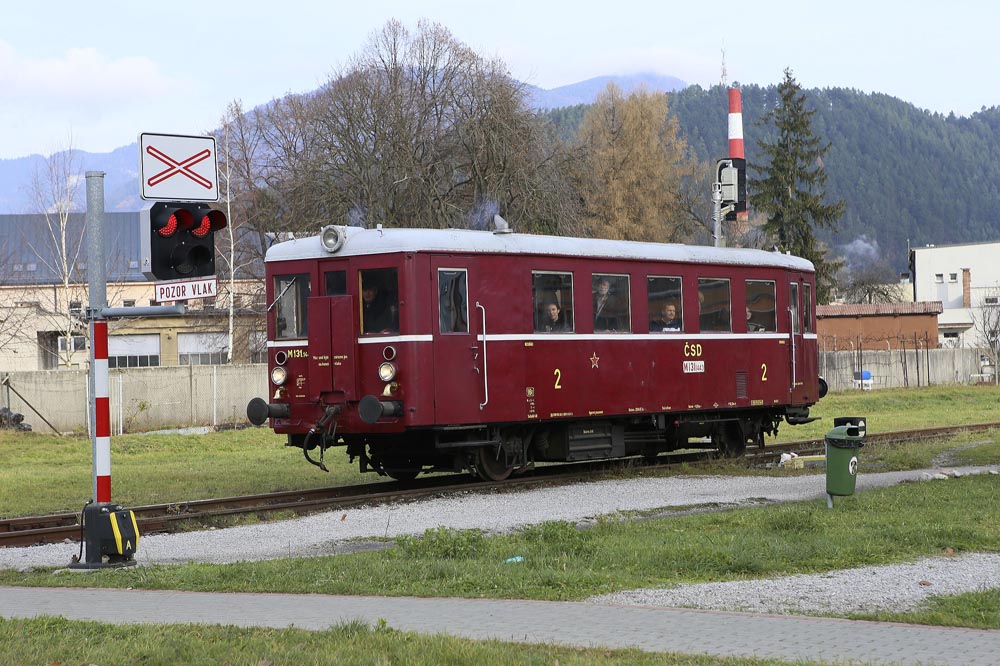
(102, 410)
(735, 124)
(736, 143)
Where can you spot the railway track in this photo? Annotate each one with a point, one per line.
(32, 530)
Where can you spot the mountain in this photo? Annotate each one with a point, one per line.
(584, 92)
(121, 180)
(907, 176)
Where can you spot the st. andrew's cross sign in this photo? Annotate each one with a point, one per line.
(175, 167)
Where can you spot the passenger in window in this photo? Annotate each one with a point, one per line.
(668, 322)
(752, 326)
(604, 307)
(551, 320)
(378, 314)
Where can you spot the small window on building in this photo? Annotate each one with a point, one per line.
(453, 300)
(552, 296)
(991, 300)
(714, 304)
(133, 263)
(952, 277)
(75, 308)
(379, 301)
(611, 304)
(73, 343)
(665, 304)
(18, 268)
(31, 268)
(939, 277)
(128, 303)
(760, 306)
(153, 301)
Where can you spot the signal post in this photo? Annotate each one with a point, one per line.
(178, 246)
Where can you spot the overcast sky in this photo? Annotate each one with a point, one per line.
(96, 74)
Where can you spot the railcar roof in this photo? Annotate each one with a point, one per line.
(362, 242)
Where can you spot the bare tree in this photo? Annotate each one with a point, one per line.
(871, 283)
(242, 245)
(58, 248)
(986, 322)
(417, 130)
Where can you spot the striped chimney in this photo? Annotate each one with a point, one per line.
(735, 124)
(736, 141)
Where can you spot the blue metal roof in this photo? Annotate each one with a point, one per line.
(29, 254)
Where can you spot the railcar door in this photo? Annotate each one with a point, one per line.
(332, 347)
(459, 382)
(798, 366)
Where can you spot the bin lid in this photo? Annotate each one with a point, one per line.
(846, 436)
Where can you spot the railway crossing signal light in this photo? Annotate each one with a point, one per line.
(731, 173)
(178, 239)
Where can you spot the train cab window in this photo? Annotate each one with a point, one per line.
(453, 300)
(291, 297)
(714, 304)
(336, 283)
(793, 306)
(552, 295)
(807, 308)
(379, 301)
(666, 312)
(760, 306)
(611, 303)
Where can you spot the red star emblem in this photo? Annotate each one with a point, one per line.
(594, 360)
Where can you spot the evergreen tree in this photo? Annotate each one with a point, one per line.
(791, 187)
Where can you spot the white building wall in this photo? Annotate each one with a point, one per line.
(938, 274)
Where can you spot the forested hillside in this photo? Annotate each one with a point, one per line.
(905, 175)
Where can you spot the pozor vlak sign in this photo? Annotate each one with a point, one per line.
(186, 290)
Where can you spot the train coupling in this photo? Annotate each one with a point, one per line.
(259, 411)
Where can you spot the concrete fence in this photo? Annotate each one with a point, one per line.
(141, 398)
(151, 398)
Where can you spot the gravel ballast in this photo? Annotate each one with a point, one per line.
(899, 586)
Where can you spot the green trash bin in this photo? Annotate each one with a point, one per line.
(842, 444)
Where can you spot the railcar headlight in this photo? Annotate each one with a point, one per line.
(387, 372)
(278, 376)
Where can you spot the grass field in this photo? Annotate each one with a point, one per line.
(151, 469)
(894, 524)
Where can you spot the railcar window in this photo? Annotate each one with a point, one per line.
(793, 305)
(611, 303)
(666, 312)
(760, 306)
(552, 295)
(336, 283)
(807, 307)
(291, 297)
(379, 301)
(453, 301)
(714, 304)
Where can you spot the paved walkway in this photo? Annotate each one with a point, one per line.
(546, 622)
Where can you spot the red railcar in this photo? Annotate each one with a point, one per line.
(425, 349)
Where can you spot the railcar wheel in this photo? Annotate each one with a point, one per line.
(491, 463)
(731, 440)
(402, 474)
